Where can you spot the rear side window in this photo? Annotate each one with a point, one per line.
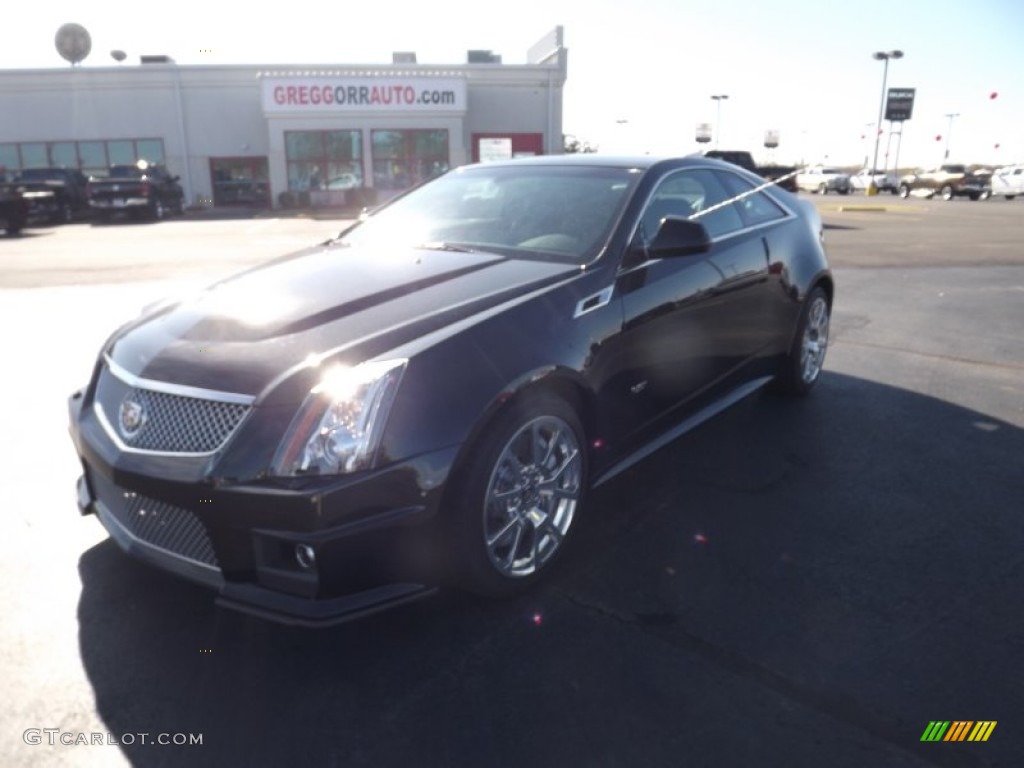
(757, 208)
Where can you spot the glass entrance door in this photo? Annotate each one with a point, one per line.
(240, 181)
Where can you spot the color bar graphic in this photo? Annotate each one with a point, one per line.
(958, 730)
(982, 730)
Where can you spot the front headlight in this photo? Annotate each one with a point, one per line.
(339, 426)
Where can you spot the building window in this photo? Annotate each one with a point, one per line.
(90, 157)
(121, 152)
(9, 162)
(330, 160)
(93, 157)
(33, 155)
(402, 159)
(63, 154)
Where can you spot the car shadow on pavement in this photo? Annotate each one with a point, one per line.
(814, 580)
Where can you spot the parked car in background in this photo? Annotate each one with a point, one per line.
(344, 181)
(14, 209)
(884, 182)
(427, 397)
(68, 200)
(947, 181)
(783, 175)
(823, 179)
(142, 190)
(1008, 181)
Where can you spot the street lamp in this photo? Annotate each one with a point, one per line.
(881, 56)
(719, 98)
(949, 133)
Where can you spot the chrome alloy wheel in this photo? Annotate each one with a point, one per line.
(815, 341)
(533, 493)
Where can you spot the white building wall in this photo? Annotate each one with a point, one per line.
(204, 112)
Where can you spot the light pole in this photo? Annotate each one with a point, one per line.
(719, 98)
(949, 133)
(881, 56)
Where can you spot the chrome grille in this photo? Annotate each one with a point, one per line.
(170, 528)
(171, 423)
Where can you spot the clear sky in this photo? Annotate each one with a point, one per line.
(641, 72)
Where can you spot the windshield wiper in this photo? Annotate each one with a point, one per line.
(440, 245)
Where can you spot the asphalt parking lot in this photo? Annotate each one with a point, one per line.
(792, 584)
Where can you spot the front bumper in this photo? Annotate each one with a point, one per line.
(372, 535)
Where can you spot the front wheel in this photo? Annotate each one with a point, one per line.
(823, 189)
(985, 194)
(946, 193)
(801, 368)
(904, 191)
(519, 496)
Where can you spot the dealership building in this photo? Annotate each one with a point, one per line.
(286, 135)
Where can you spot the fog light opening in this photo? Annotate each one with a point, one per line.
(305, 556)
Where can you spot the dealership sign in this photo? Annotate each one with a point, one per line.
(900, 104)
(363, 94)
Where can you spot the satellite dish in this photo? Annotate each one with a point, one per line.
(118, 55)
(73, 43)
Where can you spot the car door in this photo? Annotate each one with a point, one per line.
(689, 322)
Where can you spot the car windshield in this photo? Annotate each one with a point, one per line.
(551, 212)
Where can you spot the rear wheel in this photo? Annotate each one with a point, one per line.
(823, 189)
(985, 194)
(946, 193)
(802, 366)
(904, 191)
(519, 496)
(1009, 197)
(156, 210)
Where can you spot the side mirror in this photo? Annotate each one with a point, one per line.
(679, 237)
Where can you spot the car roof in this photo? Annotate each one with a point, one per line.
(591, 160)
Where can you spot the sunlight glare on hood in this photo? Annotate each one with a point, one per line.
(248, 303)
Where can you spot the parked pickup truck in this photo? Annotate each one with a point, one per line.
(783, 175)
(884, 182)
(143, 190)
(67, 185)
(822, 179)
(1008, 181)
(946, 181)
(21, 206)
(13, 209)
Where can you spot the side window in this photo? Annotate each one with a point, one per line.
(691, 194)
(756, 208)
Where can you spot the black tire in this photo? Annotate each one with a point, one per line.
(823, 189)
(1009, 197)
(156, 210)
(985, 194)
(904, 191)
(946, 193)
(797, 375)
(506, 528)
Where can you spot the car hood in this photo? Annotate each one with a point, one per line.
(241, 334)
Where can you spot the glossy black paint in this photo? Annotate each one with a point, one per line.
(636, 344)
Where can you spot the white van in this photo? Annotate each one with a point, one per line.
(1008, 181)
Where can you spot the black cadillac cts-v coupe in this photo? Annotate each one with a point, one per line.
(427, 398)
